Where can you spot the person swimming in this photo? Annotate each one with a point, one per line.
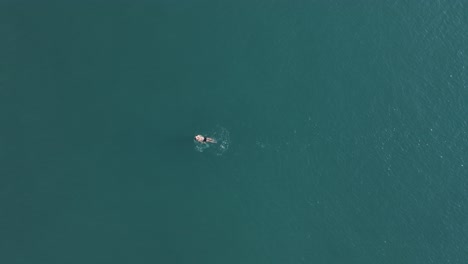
(203, 139)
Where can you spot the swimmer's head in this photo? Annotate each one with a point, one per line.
(199, 138)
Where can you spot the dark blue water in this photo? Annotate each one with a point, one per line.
(343, 128)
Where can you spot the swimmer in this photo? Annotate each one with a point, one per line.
(203, 139)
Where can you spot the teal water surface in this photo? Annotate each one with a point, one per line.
(346, 121)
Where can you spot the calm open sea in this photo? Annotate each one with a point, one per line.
(342, 129)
